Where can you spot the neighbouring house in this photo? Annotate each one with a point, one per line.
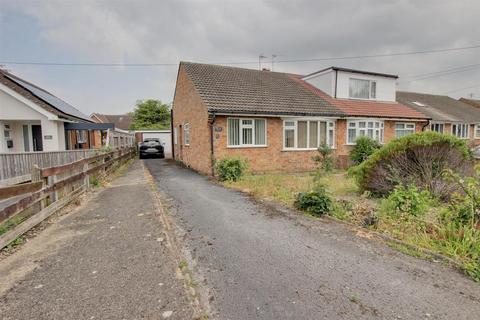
(33, 119)
(472, 102)
(277, 120)
(447, 115)
(121, 121)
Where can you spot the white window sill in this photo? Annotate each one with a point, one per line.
(247, 146)
(303, 149)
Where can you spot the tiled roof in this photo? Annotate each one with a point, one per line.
(238, 90)
(472, 102)
(121, 121)
(15, 83)
(363, 108)
(440, 108)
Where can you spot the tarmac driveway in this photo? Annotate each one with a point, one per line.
(259, 263)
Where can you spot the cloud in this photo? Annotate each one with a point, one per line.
(225, 31)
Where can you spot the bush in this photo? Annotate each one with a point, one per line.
(408, 200)
(231, 169)
(316, 202)
(363, 148)
(324, 159)
(417, 159)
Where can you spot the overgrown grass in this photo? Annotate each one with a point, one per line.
(284, 187)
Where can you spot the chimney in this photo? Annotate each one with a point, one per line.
(265, 69)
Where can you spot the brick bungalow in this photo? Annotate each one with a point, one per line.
(458, 117)
(277, 120)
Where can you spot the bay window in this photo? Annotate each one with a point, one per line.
(404, 129)
(460, 130)
(308, 134)
(362, 89)
(359, 128)
(247, 132)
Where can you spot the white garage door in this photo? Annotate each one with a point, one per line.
(165, 137)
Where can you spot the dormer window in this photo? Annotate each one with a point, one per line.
(362, 89)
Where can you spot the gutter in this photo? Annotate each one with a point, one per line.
(428, 123)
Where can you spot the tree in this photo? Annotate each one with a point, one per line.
(151, 114)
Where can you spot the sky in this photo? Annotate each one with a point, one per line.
(233, 31)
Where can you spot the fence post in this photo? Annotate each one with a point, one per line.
(87, 177)
(51, 180)
(37, 176)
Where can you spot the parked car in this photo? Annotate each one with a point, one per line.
(151, 147)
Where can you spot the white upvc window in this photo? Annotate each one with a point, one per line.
(477, 131)
(359, 128)
(308, 134)
(437, 127)
(362, 89)
(175, 136)
(186, 134)
(460, 130)
(246, 132)
(403, 129)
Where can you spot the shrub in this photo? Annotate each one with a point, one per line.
(363, 148)
(324, 159)
(316, 202)
(408, 200)
(417, 159)
(231, 169)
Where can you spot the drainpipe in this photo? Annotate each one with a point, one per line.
(428, 123)
(212, 151)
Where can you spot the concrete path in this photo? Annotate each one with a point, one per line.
(260, 264)
(106, 260)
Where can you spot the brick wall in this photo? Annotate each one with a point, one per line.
(189, 108)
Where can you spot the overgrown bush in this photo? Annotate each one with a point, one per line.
(417, 159)
(408, 200)
(316, 202)
(231, 169)
(364, 148)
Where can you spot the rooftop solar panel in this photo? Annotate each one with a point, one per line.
(51, 99)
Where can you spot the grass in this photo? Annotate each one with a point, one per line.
(284, 187)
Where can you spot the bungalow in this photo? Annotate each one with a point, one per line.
(33, 119)
(277, 120)
(447, 115)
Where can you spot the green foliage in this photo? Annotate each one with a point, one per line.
(324, 161)
(231, 169)
(364, 147)
(151, 114)
(419, 159)
(466, 204)
(316, 202)
(408, 200)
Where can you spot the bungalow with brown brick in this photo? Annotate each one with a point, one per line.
(276, 121)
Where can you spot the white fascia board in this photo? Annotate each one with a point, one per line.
(27, 102)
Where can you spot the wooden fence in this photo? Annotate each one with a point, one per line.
(51, 188)
(16, 167)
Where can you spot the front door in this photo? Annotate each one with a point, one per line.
(37, 137)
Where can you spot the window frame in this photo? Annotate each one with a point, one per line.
(369, 89)
(330, 126)
(437, 124)
(240, 129)
(404, 128)
(476, 133)
(175, 136)
(186, 134)
(381, 129)
(457, 124)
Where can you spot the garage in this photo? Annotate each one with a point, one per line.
(165, 137)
